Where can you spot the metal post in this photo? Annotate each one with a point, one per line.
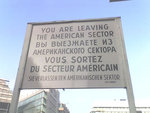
(130, 96)
(128, 83)
(14, 101)
(19, 79)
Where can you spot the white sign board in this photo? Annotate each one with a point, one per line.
(76, 54)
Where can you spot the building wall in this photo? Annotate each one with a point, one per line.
(33, 104)
(43, 101)
(52, 101)
(119, 110)
(120, 107)
(5, 96)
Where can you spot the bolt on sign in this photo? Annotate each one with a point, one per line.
(75, 54)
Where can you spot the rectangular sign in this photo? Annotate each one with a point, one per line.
(75, 54)
(117, 0)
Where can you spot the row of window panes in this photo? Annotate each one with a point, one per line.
(36, 109)
(5, 100)
(2, 82)
(35, 97)
(55, 97)
(4, 105)
(52, 99)
(3, 85)
(110, 112)
(7, 95)
(52, 105)
(7, 90)
(31, 105)
(116, 111)
(34, 103)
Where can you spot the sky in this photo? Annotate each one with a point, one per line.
(15, 14)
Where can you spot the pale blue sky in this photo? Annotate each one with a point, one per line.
(135, 16)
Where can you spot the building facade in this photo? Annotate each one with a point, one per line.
(120, 106)
(5, 96)
(52, 101)
(35, 103)
(42, 101)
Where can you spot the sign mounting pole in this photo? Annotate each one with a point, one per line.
(19, 78)
(129, 89)
(131, 99)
